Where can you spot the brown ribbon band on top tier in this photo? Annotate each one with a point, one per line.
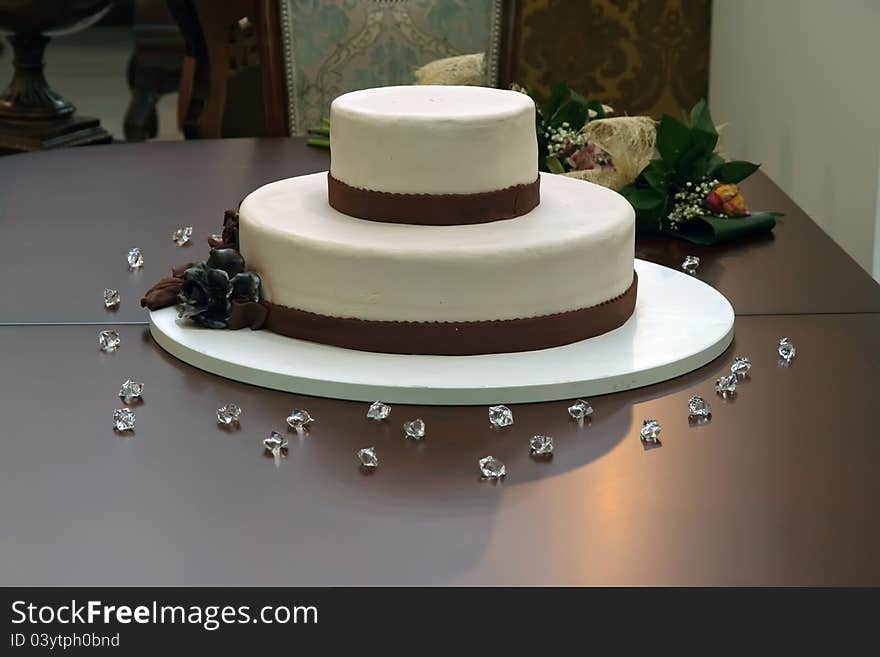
(434, 209)
(440, 338)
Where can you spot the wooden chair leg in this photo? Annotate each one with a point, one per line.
(141, 120)
(153, 69)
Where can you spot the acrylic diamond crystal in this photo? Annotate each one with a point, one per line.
(492, 468)
(698, 407)
(111, 298)
(135, 259)
(500, 416)
(690, 264)
(541, 445)
(130, 391)
(182, 236)
(741, 366)
(580, 410)
(123, 419)
(299, 419)
(367, 457)
(414, 429)
(726, 385)
(786, 349)
(650, 431)
(378, 411)
(229, 414)
(108, 340)
(275, 443)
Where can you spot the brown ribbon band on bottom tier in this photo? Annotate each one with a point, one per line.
(434, 209)
(441, 338)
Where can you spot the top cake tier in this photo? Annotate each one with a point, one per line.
(433, 154)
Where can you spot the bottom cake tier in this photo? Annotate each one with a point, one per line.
(559, 274)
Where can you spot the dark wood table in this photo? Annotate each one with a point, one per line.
(779, 488)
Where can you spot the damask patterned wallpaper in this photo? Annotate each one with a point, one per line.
(640, 56)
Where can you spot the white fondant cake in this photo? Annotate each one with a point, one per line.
(447, 145)
(433, 139)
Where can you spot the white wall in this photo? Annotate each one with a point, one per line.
(799, 83)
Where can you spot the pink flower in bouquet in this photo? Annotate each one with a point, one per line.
(587, 157)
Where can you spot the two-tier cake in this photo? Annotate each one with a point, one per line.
(434, 233)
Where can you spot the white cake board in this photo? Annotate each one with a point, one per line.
(679, 324)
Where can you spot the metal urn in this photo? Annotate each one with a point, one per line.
(32, 115)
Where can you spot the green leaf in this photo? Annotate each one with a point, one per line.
(715, 230)
(701, 120)
(694, 166)
(651, 220)
(656, 175)
(576, 97)
(715, 163)
(736, 170)
(649, 206)
(594, 105)
(673, 139)
(644, 199)
(558, 95)
(704, 141)
(572, 113)
(703, 132)
(554, 165)
(627, 189)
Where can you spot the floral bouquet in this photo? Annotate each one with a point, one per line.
(562, 142)
(579, 138)
(690, 191)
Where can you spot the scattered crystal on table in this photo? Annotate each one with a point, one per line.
(698, 407)
(378, 411)
(580, 410)
(275, 443)
(111, 298)
(123, 419)
(492, 468)
(786, 349)
(500, 416)
(182, 236)
(299, 419)
(367, 457)
(741, 366)
(228, 414)
(108, 340)
(726, 385)
(135, 259)
(414, 429)
(541, 445)
(130, 391)
(650, 431)
(690, 264)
